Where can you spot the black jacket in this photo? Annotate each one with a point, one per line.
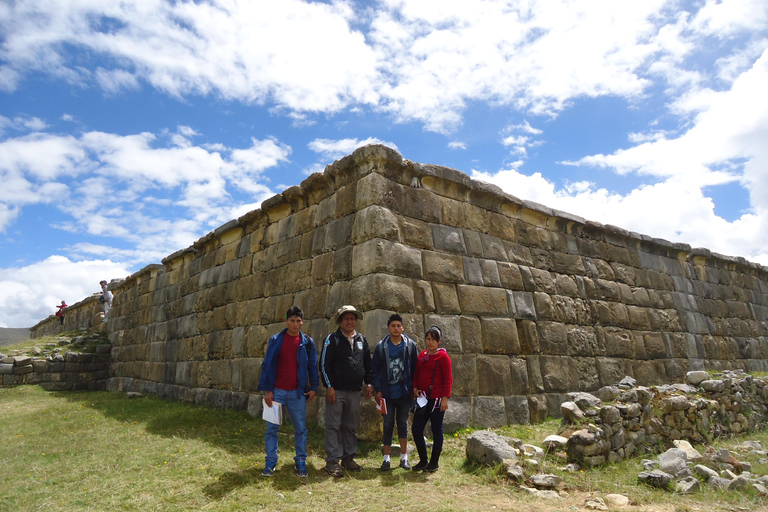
(343, 367)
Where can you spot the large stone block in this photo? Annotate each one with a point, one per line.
(510, 276)
(448, 239)
(586, 373)
(558, 374)
(381, 291)
(415, 233)
(553, 337)
(535, 381)
(499, 336)
(446, 298)
(519, 373)
(517, 410)
(582, 340)
(489, 412)
(471, 334)
(493, 375)
(464, 375)
(478, 300)
(441, 267)
(610, 370)
(458, 415)
(380, 255)
(375, 222)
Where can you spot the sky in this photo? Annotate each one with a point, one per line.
(130, 129)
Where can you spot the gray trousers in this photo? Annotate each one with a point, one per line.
(341, 419)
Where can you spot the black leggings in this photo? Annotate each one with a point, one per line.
(419, 422)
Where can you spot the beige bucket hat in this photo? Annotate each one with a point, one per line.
(348, 309)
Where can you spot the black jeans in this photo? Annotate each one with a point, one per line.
(419, 422)
(397, 408)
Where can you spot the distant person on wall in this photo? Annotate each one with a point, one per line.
(394, 360)
(345, 363)
(289, 377)
(60, 311)
(432, 379)
(105, 299)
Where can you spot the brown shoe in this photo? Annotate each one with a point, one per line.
(333, 469)
(351, 465)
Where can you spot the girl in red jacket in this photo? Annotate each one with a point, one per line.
(433, 378)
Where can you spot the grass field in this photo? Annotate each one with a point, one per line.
(101, 451)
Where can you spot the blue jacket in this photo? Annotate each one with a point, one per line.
(381, 371)
(306, 356)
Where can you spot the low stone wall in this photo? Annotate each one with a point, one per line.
(70, 371)
(642, 420)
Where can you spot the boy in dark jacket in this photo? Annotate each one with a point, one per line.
(393, 364)
(345, 363)
(290, 362)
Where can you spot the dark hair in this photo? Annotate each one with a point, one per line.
(435, 332)
(394, 317)
(294, 311)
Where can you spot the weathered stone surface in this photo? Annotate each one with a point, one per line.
(692, 455)
(493, 375)
(673, 461)
(655, 478)
(704, 472)
(687, 485)
(517, 409)
(696, 377)
(486, 447)
(489, 412)
(478, 300)
(513, 470)
(554, 442)
(458, 415)
(546, 481)
(499, 336)
(571, 412)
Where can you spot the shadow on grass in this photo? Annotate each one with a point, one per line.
(237, 433)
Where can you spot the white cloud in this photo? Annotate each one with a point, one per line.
(457, 145)
(157, 193)
(302, 55)
(114, 81)
(673, 210)
(31, 293)
(335, 149)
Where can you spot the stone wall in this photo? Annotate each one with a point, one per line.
(85, 314)
(648, 420)
(533, 302)
(70, 371)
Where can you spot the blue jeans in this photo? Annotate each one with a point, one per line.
(296, 403)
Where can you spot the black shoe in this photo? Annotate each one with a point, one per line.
(405, 464)
(431, 468)
(333, 469)
(351, 465)
(384, 466)
(421, 465)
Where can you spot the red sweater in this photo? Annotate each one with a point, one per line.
(422, 376)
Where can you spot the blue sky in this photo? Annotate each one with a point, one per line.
(128, 130)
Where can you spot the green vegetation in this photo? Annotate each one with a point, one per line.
(49, 345)
(102, 451)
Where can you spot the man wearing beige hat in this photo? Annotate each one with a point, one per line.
(345, 364)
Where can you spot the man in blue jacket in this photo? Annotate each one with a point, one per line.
(289, 377)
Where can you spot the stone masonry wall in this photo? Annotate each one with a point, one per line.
(84, 314)
(533, 302)
(70, 371)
